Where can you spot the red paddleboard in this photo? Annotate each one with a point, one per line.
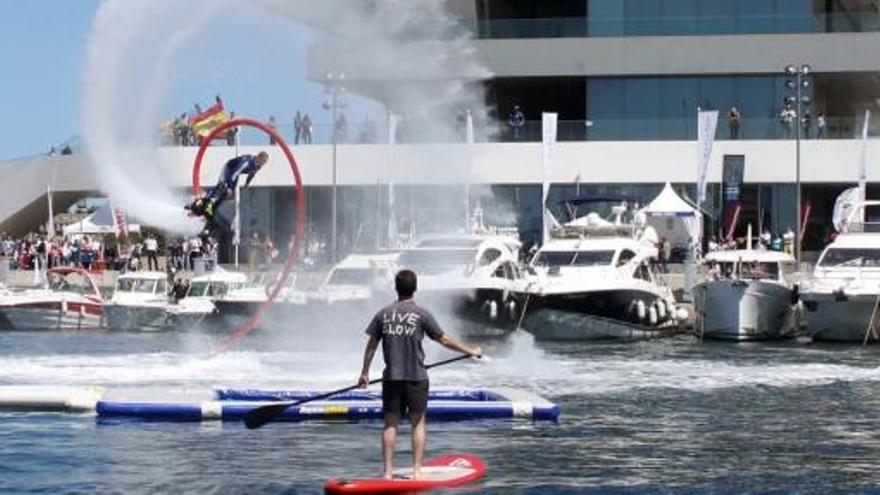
(441, 472)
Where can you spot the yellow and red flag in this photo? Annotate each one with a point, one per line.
(205, 122)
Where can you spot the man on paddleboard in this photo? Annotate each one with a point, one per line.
(400, 327)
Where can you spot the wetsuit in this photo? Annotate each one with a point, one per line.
(232, 170)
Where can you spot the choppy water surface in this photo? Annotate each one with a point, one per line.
(673, 415)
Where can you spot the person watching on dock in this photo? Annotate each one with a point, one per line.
(401, 327)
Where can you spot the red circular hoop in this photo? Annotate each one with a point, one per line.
(293, 253)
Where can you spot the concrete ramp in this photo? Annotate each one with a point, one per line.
(23, 204)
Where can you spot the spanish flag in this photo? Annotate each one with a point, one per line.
(205, 122)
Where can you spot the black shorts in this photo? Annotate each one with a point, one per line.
(405, 396)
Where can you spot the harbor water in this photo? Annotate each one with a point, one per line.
(673, 415)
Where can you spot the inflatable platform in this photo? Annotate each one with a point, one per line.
(170, 404)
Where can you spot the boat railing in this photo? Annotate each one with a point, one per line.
(585, 232)
(862, 228)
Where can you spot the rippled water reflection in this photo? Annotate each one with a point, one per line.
(673, 415)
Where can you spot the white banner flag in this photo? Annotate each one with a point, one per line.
(469, 138)
(707, 122)
(392, 128)
(50, 222)
(863, 169)
(236, 220)
(548, 134)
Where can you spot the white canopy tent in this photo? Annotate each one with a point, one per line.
(101, 222)
(675, 219)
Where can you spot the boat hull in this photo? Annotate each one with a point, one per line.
(838, 317)
(740, 310)
(597, 315)
(51, 316)
(127, 318)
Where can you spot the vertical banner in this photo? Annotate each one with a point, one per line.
(732, 174)
(392, 214)
(50, 222)
(707, 121)
(469, 138)
(120, 221)
(548, 126)
(863, 168)
(236, 221)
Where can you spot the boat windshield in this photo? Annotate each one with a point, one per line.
(851, 257)
(351, 276)
(574, 258)
(71, 282)
(427, 259)
(198, 289)
(134, 285)
(759, 270)
(449, 243)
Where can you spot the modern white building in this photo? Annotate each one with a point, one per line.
(626, 78)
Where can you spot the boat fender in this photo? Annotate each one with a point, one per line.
(493, 310)
(681, 315)
(661, 309)
(652, 315)
(641, 310)
(795, 293)
(511, 309)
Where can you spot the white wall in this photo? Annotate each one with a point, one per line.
(518, 163)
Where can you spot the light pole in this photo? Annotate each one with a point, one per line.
(334, 88)
(800, 104)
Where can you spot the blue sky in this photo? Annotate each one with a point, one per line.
(43, 44)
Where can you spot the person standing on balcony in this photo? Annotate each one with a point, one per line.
(307, 129)
(787, 117)
(733, 120)
(272, 125)
(516, 121)
(820, 125)
(297, 127)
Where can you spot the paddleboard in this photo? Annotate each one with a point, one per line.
(441, 472)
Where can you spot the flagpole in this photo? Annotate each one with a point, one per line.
(236, 238)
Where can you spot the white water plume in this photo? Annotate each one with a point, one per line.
(131, 59)
(410, 54)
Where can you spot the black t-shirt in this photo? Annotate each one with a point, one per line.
(401, 326)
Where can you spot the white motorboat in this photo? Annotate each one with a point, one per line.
(747, 295)
(70, 301)
(204, 291)
(139, 302)
(474, 277)
(357, 279)
(593, 280)
(841, 299)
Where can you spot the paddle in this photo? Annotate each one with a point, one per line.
(259, 416)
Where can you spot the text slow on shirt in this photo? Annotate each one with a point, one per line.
(401, 326)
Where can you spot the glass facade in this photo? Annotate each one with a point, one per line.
(658, 108)
(602, 18)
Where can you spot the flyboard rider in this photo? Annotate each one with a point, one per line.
(210, 203)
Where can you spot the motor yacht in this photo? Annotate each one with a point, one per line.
(473, 277)
(746, 295)
(594, 280)
(199, 303)
(70, 300)
(841, 298)
(139, 302)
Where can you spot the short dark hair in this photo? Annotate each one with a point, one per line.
(405, 283)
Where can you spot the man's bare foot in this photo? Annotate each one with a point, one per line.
(417, 474)
(388, 476)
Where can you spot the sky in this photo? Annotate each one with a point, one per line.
(43, 45)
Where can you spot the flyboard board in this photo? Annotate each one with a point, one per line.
(441, 472)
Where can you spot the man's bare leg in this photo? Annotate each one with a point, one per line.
(389, 437)
(419, 438)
